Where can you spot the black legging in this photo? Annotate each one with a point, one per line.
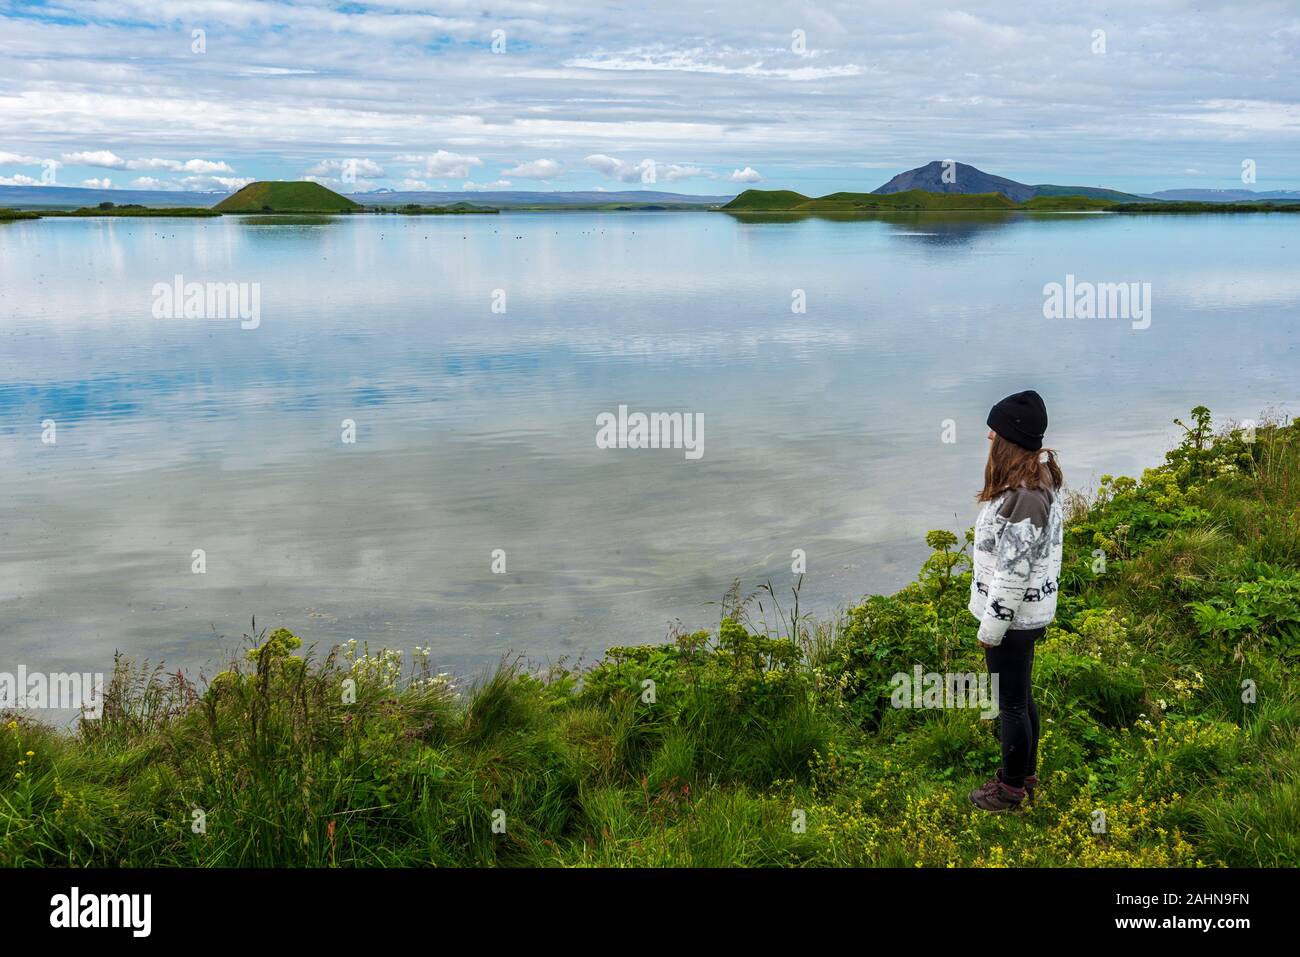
(1013, 663)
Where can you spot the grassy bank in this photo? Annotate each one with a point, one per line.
(108, 209)
(787, 201)
(1171, 730)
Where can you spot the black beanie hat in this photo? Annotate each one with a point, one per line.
(1021, 418)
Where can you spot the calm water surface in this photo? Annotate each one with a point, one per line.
(475, 430)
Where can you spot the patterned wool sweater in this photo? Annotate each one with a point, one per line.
(1017, 562)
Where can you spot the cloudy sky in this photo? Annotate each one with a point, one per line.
(710, 96)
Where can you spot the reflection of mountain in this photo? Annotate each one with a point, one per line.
(288, 219)
(933, 228)
(947, 229)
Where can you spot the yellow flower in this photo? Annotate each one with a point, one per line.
(31, 754)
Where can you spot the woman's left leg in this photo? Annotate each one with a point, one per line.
(1011, 665)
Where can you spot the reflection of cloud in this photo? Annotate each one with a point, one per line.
(1233, 288)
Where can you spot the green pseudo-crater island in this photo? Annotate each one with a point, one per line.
(287, 197)
(307, 197)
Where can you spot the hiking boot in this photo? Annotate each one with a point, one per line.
(1031, 783)
(995, 796)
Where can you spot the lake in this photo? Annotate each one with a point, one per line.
(473, 354)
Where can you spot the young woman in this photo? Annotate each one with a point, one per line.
(1017, 567)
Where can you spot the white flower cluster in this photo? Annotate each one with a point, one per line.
(383, 669)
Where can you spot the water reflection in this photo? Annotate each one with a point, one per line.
(475, 427)
(284, 219)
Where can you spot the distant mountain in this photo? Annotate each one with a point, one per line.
(504, 199)
(286, 197)
(967, 179)
(1227, 195)
(75, 197)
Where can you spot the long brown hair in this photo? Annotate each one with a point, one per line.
(1010, 466)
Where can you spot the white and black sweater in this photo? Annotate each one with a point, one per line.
(1017, 562)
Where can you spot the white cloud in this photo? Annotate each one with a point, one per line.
(675, 171)
(216, 183)
(971, 28)
(746, 175)
(724, 62)
(104, 183)
(358, 167)
(277, 71)
(18, 179)
(537, 169)
(499, 184)
(104, 159)
(178, 166)
(618, 169)
(149, 182)
(442, 164)
(19, 159)
(1254, 116)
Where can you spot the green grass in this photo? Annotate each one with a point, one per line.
(170, 211)
(453, 209)
(1050, 199)
(1088, 192)
(9, 214)
(1168, 206)
(286, 197)
(1167, 689)
(1067, 203)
